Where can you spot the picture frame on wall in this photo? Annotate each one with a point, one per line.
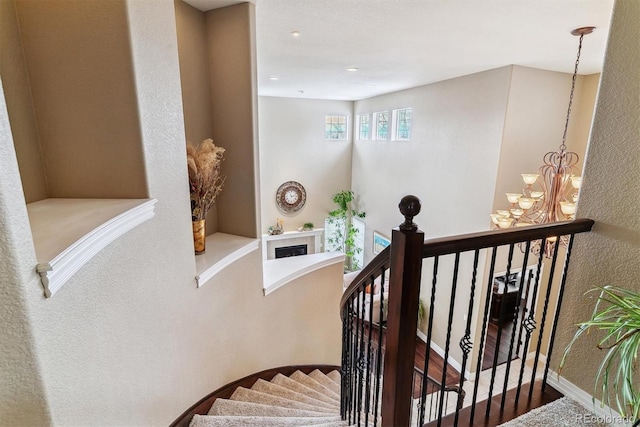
(380, 241)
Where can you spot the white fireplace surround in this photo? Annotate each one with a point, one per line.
(313, 240)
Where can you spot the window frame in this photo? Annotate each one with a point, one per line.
(359, 127)
(375, 134)
(327, 133)
(396, 126)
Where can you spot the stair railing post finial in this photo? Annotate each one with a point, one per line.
(405, 263)
(409, 207)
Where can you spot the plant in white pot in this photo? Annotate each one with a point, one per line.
(617, 315)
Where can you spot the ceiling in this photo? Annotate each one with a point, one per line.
(399, 44)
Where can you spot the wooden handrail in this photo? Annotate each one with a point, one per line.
(489, 239)
(435, 382)
(466, 242)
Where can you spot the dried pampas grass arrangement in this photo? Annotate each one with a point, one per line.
(205, 180)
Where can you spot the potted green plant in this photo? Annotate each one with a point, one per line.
(617, 315)
(345, 233)
(307, 226)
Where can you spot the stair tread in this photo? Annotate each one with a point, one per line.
(315, 385)
(240, 421)
(248, 395)
(296, 386)
(254, 409)
(325, 381)
(334, 376)
(277, 390)
(332, 424)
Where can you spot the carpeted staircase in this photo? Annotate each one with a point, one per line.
(296, 400)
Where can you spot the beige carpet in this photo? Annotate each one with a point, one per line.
(298, 400)
(314, 400)
(563, 412)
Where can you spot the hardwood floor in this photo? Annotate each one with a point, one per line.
(436, 362)
(480, 419)
(526, 403)
(491, 345)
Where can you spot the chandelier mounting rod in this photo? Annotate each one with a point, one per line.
(582, 31)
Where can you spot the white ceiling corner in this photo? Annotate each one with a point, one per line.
(398, 44)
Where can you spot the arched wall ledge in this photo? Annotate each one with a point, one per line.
(67, 233)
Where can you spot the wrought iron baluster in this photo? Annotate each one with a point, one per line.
(465, 343)
(483, 334)
(503, 307)
(530, 323)
(432, 305)
(361, 363)
(379, 365)
(524, 311)
(544, 315)
(367, 393)
(432, 407)
(558, 307)
(452, 301)
(354, 361)
(514, 322)
(343, 376)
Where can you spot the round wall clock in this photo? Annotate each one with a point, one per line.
(291, 197)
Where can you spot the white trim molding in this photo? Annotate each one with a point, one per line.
(279, 272)
(222, 250)
(67, 233)
(440, 352)
(603, 413)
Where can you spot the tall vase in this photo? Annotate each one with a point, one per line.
(199, 237)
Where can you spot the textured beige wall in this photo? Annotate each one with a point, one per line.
(534, 124)
(609, 254)
(20, 106)
(450, 164)
(194, 67)
(129, 339)
(231, 48)
(293, 148)
(195, 81)
(455, 146)
(79, 67)
(22, 396)
(584, 104)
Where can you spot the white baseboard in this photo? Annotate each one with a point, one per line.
(542, 358)
(440, 351)
(604, 413)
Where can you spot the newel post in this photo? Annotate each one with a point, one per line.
(402, 317)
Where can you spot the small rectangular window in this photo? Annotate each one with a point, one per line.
(381, 123)
(364, 126)
(402, 124)
(335, 127)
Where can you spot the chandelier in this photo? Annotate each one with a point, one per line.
(551, 194)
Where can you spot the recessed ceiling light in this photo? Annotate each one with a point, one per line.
(352, 69)
(295, 33)
(370, 86)
(273, 78)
